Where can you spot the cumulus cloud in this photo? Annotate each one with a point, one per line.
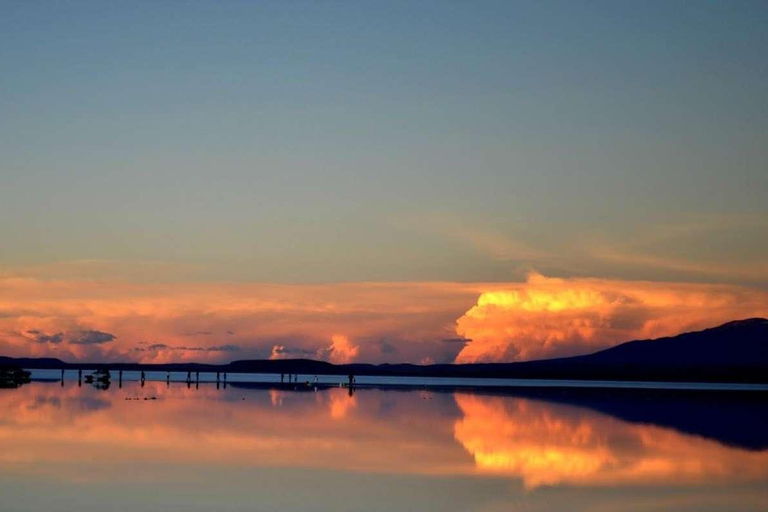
(340, 351)
(283, 352)
(549, 317)
(90, 338)
(541, 317)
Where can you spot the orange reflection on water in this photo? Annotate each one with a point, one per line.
(96, 435)
(547, 444)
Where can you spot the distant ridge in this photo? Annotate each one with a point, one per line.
(733, 352)
(741, 342)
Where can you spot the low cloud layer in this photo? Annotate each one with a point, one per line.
(86, 337)
(353, 322)
(91, 338)
(39, 337)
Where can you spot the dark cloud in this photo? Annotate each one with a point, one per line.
(231, 333)
(225, 348)
(463, 341)
(386, 347)
(198, 333)
(40, 337)
(218, 348)
(281, 350)
(90, 338)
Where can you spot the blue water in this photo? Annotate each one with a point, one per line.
(431, 382)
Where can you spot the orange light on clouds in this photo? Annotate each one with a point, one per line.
(346, 322)
(547, 317)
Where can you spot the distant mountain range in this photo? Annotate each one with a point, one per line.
(733, 352)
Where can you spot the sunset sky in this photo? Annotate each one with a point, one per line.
(413, 181)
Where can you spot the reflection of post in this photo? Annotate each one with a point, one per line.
(79, 378)
(120, 379)
(168, 379)
(218, 377)
(189, 376)
(62, 375)
(197, 376)
(143, 378)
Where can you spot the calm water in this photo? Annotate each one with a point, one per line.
(256, 446)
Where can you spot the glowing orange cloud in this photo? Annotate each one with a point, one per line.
(371, 322)
(172, 322)
(340, 351)
(547, 317)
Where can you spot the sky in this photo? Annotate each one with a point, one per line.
(378, 181)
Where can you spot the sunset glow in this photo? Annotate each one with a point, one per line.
(372, 322)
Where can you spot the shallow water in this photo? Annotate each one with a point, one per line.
(259, 446)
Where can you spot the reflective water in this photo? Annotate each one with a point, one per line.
(260, 446)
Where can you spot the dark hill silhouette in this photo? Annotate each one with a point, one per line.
(734, 352)
(741, 342)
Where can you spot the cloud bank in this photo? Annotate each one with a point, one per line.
(418, 322)
(548, 317)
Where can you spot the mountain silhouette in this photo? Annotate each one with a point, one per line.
(741, 342)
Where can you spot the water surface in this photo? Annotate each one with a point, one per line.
(260, 446)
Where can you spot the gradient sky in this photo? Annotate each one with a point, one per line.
(316, 143)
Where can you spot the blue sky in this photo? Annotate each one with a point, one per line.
(360, 141)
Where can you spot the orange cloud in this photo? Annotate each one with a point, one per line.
(173, 322)
(371, 322)
(340, 351)
(549, 317)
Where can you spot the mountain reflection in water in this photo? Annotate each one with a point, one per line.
(116, 434)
